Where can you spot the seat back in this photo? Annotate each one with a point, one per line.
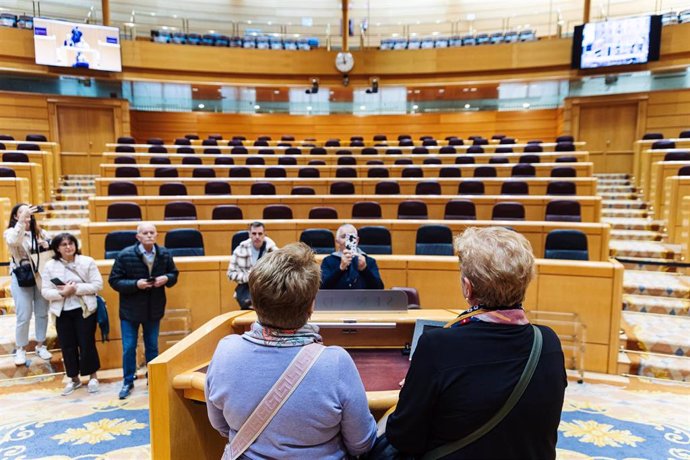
(566, 244)
(533, 148)
(15, 157)
(124, 149)
(262, 188)
(118, 240)
(523, 170)
(192, 161)
(366, 210)
(434, 240)
(412, 209)
(157, 149)
(277, 211)
(238, 237)
(121, 188)
(255, 161)
(387, 188)
(375, 240)
(412, 172)
(485, 171)
(180, 210)
(342, 188)
(345, 172)
(529, 159)
(428, 188)
(123, 211)
(217, 188)
(347, 161)
(508, 211)
(561, 188)
(159, 161)
(515, 188)
(460, 210)
(227, 212)
(182, 242)
(308, 172)
(563, 171)
(563, 211)
(240, 171)
(172, 188)
(664, 144)
(320, 240)
(323, 213)
(203, 172)
(224, 160)
(302, 191)
(165, 172)
(670, 156)
(275, 171)
(127, 171)
(471, 187)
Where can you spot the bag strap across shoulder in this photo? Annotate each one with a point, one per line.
(514, 397)
(271, 403)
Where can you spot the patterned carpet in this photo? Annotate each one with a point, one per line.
(599, 421)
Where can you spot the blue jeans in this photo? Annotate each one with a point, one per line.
(130, 333)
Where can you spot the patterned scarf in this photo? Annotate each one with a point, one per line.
(273, 337)
(514, 316)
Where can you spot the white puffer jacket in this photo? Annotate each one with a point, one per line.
(87, 289)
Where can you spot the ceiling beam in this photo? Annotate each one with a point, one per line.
(105, 8)
(346, 24)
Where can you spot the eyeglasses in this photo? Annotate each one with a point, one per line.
(67, 243)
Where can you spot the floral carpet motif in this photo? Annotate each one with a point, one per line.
(599, 422)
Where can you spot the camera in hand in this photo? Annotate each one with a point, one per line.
(351, 242)
(40, 209)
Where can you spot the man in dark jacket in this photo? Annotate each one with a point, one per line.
(349, 267)
(140, 274)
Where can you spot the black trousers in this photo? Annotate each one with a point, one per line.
(77, 336)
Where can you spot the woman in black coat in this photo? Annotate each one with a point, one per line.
(462, 375)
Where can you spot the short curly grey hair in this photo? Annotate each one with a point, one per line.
(498, 262)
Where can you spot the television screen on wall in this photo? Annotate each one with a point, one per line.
(616, 42)
(81, 46)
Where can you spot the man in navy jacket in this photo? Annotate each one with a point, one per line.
(347, 268)
(140, 274)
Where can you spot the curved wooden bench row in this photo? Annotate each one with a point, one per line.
(47, 161)
(585, 186)
(16, 189)
(641, 164)
(332, 160)
(661, 170)
(152, 207)
(179, 424)
(583, 169)
(33, 172)
(392, 144)
(218, 233)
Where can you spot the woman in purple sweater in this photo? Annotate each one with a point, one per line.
(327, 416)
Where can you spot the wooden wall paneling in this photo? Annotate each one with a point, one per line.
(15, 189)
(22, 114)
(527, 124)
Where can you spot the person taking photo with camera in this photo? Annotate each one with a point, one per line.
(25, 240)
(349, 267)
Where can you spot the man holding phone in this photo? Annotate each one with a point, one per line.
(140, 274)
(348, 267)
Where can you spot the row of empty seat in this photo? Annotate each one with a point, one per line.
(29, 138)
(469, 187)
(519, 170)
(556, 210)
(684, 134)
(430, 240)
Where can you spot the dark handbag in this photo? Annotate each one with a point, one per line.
(243, 297)
(102, 318)
(24, 273)
(383, 450)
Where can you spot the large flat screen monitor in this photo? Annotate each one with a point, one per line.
(82, 46)
(616, 42)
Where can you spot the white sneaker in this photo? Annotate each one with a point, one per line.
(43, 352)
(92, 386)
(70, 387)
(20, 357)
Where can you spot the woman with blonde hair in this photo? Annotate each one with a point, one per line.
(71, 281)
(25, 239)
(465, 395)
(327, 416)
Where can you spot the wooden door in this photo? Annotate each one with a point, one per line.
(610, 130)
(83, 133)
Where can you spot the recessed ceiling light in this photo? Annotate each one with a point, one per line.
(276, 91)
(201, 106)
(467, 106)
(212, 31)
(257, 107)
(195, 89)
(438, 21)
(249, 21)
(308, 108)
(415, 107)
(441, 90)
(464, 90)
(362, 107)
(434, 33)
(270, 23)
(378, 24)
(417, 91)
(525, 105)
(474, 90)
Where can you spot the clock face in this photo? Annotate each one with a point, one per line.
(344, 62)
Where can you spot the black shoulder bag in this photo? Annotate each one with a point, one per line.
(25, 269)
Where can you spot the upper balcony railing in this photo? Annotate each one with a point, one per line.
(373, 23)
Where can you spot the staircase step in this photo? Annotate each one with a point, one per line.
(6, 306)
(7, 328)
(663, 334)
(615, 212)
(35, 367)
(68, 214)
(624, 204)
(617, 195)
(658, 305)
(656, 284)
(606, 188)
(637, 235)
(72, 196)
(612, 176)
(59, 205)
(642, 264)
(76, 189)
(642, 249)
(63, 224)
(633, 223)
(656, 365)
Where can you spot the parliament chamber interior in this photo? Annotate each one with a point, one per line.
(564, 121)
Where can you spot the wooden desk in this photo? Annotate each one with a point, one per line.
(5, 210)
(217, 234)
(33, 172)
(47, 161)
(447, 159)
(502, 170)
(641, 163)
(676, 189)
(660, 171)
(179, 425)
(16, 189)
(585, 186)
(153, 207)
(682, 228)
(224, 147)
